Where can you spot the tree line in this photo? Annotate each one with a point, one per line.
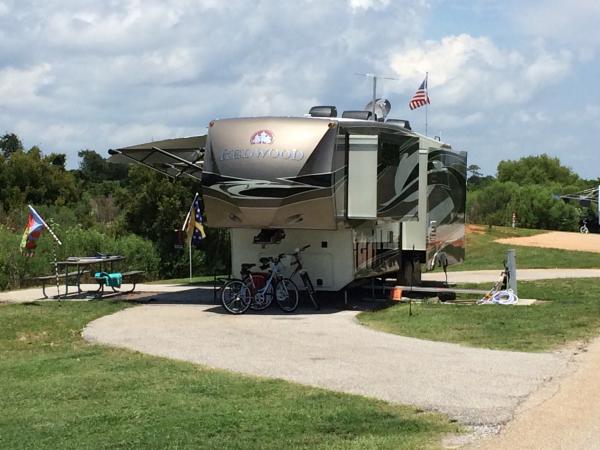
(100, 207)
(530, 188)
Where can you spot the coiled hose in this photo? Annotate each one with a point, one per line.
(506, 297)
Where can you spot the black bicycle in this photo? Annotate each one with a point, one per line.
(257, 290)
(303, 274)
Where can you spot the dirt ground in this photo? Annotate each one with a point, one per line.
(558, 239)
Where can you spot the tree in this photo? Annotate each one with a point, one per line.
(29, 178)
(474, 170)
(57, 159)
(541, 169)
(476, 179)
(9, 144)
(94, 168)
(154, 206)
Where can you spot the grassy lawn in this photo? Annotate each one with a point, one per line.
(572, 313)
(483, 253)
(59, 392)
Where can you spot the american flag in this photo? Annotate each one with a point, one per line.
(421, 97)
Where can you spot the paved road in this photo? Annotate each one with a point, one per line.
(562, 415)
(331, 350)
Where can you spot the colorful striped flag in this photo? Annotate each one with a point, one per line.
(33, 230)
(421, 97)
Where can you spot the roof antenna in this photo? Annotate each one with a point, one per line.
(375, 77)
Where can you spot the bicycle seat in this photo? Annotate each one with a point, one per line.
(247, 266)
(265, 260)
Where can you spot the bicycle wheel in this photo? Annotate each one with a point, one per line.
(286, 295)
(236, 297)
(262, 300)
(310, 290)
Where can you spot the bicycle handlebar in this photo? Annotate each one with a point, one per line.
(298, 251)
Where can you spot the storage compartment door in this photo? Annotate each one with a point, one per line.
(362, 177)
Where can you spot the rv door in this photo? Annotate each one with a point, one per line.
(362, 176)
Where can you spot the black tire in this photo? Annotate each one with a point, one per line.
(262, 301)
(236, 297)
(310, 290)
(286, 295)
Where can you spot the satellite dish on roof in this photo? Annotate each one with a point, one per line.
(382, 108)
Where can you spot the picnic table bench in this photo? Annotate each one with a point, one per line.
(104, 279)
(50, 278)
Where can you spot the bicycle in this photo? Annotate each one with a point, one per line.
(240, 295)
(584, 228)
(303, 274)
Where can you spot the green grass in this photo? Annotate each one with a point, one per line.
(483, 253)
(59, 392)
(571, 313)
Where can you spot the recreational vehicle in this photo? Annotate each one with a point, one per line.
(370, 196)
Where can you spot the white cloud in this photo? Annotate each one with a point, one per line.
(574, 23)
(467, 70)
(368, 4)
(86, 74)
(19, 86)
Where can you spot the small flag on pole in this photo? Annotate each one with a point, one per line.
(196, 222)
(33, 230)
(421, 97)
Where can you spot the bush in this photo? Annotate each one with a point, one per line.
(534, 206)
(15, 268)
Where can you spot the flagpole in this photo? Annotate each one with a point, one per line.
(426, 104)
(185, 225)
(56, 272)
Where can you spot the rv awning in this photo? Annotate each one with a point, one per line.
(171, 157)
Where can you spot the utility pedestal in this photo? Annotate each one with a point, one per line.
(511, 266)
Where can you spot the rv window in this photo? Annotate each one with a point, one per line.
(389, 154)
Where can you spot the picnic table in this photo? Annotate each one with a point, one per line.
(75, 266)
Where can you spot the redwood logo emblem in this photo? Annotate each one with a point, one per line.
(262, 137)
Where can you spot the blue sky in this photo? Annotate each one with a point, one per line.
(507, 78)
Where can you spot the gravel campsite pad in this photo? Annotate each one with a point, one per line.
(331, 350)
(558, 239)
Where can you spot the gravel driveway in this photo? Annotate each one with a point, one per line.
(333, 351)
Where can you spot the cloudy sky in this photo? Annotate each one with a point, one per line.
(506, 78)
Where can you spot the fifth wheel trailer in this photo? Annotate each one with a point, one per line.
(372, 198)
